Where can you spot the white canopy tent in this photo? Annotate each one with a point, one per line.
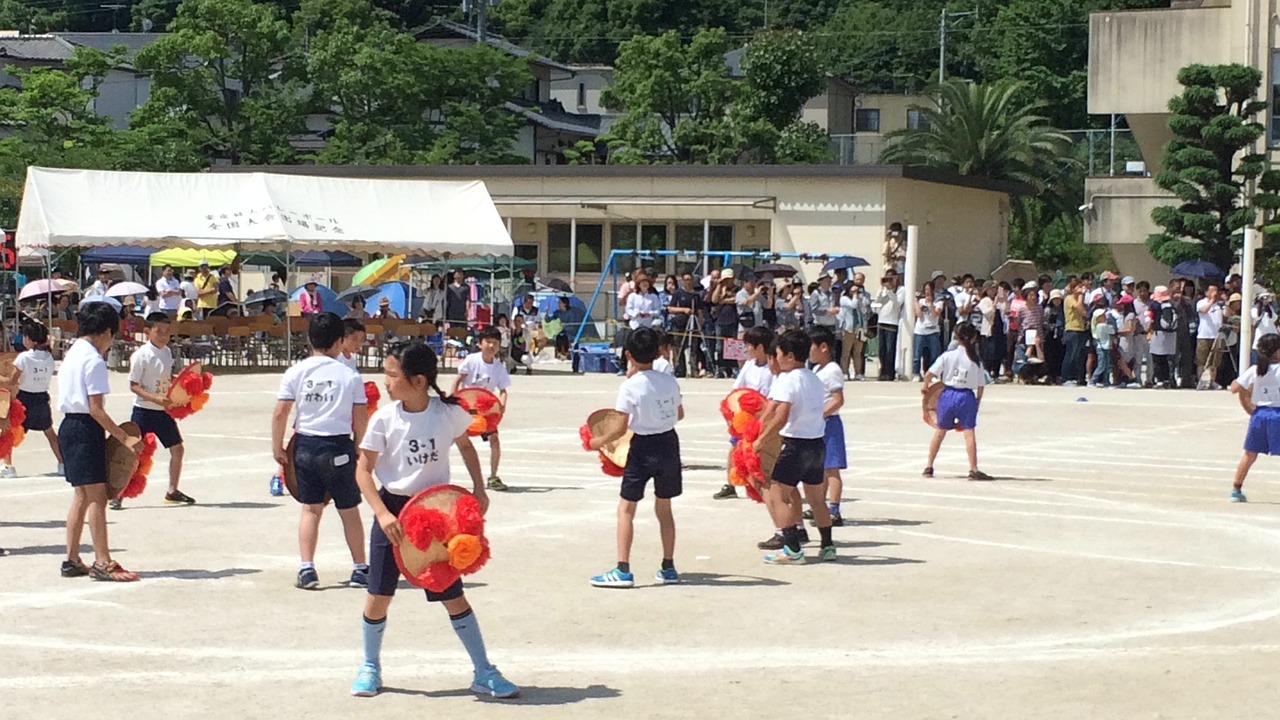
(262, 211)
(259, 211)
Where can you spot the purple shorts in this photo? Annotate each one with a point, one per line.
(957, 409)
(1264, 431)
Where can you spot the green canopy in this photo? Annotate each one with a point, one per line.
(183, 257)
(493, 264)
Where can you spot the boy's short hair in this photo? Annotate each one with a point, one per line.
(326, 330)
(351, 326)
(491, 333)
(157, 318)
(795, 343)
(642, 343)
(39, 334)
(97, 318)
(821, 335)
(759, 335)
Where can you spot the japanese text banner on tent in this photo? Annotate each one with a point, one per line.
(261, 210)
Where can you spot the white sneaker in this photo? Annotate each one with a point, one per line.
(916, 378)
(61, 471)
(8, 471)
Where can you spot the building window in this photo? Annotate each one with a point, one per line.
(582, 95)
(528, 251)
(867, 120)
(689, 239)
(653, 238)
(590, 247)
(1274, 119)
(916, 120)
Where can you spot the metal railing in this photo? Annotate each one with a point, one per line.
(857, 149)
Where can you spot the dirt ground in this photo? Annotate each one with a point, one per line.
(1103, 575)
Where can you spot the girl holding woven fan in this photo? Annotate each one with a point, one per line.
(405, 451)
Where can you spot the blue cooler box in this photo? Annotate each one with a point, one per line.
(597, 359)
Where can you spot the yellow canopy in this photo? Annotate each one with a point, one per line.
(184, 257)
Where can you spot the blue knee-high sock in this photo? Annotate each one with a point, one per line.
(373, 641)
(469, 633)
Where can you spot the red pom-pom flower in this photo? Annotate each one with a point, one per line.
(609, 467)
(438, 577)
(584, 432)
(146, 461)
(372, 396)
(424, 526)
(467, 514)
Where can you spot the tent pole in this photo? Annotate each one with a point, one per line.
(288, 316)
(48, 274)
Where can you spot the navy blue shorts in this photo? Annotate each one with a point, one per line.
(1264, 431)
(833, 442)
(84, 450)
(801, 461)
(39, 414)
(655, 457)
(326, 465)
(384, 574)
(957, 409)
(158, 423)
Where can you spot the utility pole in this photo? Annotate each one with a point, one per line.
(115, 9)
(942, 39)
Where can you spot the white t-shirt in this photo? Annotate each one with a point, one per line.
(164, 284)
(37, 370)
(152, 368)
(475, 372)
(83, 373)
(756, 377)
(325, 393)
(927, 317)
(1264, 325)
(664, 365)
(651, 400)
(832, 380)
(189, 291)
(349, 360)
(804, 391)
(957, 370)
(413, 448)
(1210, 319)
(1265, 390)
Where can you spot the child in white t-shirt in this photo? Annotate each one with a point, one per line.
(33, 372)
(1258, 389)
(662, 364)
(653, 405)
(150, 376)
(962, 373)
(352, 343)
(755, 374)
(406, 451)
(797, 416)
(832, 377)
(485, 370)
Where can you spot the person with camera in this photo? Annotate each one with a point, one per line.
(1263, 315)
(888, 306)
(1208, 348)
(855, 311)
(824, 309)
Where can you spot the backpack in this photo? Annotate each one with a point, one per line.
(1167, 318)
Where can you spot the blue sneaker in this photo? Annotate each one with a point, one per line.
(308, 579)
(784, 557)
(1237, 495)
(368, 681)
(614, 578)
(277, 486)
(490, 682)
(667, 576)
(359, 578)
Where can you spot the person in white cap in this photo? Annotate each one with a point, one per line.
(1031, 322)
(1104, 334)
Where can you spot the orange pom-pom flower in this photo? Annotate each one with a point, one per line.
(463, 551)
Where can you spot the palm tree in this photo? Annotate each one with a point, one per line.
(989, 131)
(984, 130)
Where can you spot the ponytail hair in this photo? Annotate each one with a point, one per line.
(419, 360)
(1267, 347)
(967, 334)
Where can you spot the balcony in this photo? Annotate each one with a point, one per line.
(857, 149)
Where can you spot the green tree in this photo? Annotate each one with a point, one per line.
(392, 99)
(31, 17)
(883, 46)
(226, 74)
(986, 131)
(1210, 164)
(683, 106)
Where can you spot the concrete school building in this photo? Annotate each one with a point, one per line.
(1134, 59)
(568, 218)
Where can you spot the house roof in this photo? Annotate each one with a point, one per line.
(838, 172)
(553, 116)
(447, 29)
(104, 41)
(35, 47)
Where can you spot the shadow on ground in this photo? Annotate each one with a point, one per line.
(529, 694)
(197, 574)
